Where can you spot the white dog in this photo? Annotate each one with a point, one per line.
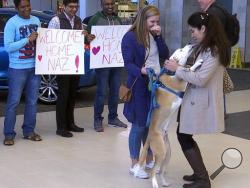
(163, 117)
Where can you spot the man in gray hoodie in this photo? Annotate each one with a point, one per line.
(106, 77)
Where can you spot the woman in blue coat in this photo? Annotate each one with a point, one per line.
(142, 47)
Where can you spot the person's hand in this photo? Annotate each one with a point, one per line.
(171, 65)
(84, 32)
(33, 36)
(90, 37)
(156, 30)
(144, 71)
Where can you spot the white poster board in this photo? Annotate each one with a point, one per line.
(105, 50)
(59, 51)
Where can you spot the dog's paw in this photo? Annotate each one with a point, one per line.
(154, 182)
(164, 182)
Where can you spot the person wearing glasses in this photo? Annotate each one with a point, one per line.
(106, 77)
(67, 84)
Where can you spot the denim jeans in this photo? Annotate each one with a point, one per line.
(107, 78)
(137, 136)
(19, 80)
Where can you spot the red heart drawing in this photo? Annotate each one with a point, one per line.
(95, 50)
(39, 57)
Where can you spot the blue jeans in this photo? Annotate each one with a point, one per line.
(19, 80)
(107, 77)
(137, 136)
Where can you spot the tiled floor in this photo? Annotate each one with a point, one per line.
(101, 160)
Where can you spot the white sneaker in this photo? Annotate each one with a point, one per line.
(139, 172)
(131, 171)
(150, 165)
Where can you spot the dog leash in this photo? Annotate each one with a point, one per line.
(153, 86)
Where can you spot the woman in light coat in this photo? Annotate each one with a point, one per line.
(202, 108)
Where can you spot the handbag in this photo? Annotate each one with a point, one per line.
(125, 93)
(228, 85)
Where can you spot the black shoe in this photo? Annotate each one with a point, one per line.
(192, 177)
(98, 126)
(75, 128)
(8, 141)
(64, 133)
(195, 160)
(116, 123)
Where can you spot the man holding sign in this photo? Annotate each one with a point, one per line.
(67, 84)
(19, 40)
(106, 76)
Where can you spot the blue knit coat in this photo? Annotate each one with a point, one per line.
(133, 53)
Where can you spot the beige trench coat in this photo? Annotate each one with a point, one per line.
(202, 109)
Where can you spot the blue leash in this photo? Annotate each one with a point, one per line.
(154, 84)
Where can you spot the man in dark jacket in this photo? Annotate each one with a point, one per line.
(211, 7)
(106, 76)
(67, 84)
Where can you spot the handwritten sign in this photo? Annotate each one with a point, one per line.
(59, 51)
(105, 49)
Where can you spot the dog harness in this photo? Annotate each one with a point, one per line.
(154, 84)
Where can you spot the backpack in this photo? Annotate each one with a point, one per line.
(232, 27)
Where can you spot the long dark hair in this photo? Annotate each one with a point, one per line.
(215, 38)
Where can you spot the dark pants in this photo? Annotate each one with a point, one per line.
(186, 140)
(107, 78)
(67, 86)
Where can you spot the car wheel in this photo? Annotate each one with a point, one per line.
(48, 89)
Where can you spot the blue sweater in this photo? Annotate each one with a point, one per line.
(16, 32)
(133, 53)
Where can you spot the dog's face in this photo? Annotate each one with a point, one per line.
(180, 55)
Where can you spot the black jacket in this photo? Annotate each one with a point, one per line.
(217, 11)
(65, 24)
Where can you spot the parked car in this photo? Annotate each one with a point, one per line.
(48, 88)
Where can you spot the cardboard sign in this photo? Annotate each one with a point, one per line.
(105, 49)
(59, 51)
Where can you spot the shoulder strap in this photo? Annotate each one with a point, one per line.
(142, 65)
(197, 52)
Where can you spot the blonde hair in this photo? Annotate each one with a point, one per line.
(140, 24)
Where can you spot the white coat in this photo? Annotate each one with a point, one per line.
(202, 109)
